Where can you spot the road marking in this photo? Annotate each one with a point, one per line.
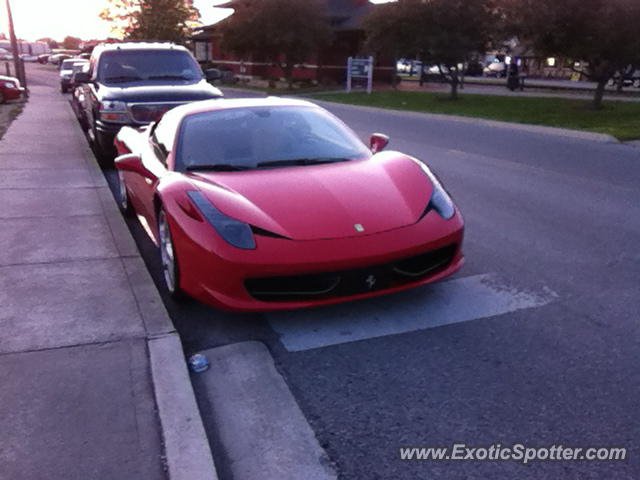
(454, 301)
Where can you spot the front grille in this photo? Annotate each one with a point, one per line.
(150, 112)
(350, 282)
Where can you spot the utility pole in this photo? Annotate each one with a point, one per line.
(14, 46)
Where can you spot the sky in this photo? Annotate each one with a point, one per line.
(34, 19)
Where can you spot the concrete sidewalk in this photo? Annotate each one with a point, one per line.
(94, 384)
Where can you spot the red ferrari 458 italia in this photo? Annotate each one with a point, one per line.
(267, 204)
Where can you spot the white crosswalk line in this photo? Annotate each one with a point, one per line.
(454, 301)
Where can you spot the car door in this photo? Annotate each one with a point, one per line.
(154, 159)
(90, 101)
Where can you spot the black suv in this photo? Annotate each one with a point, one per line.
(135, 84)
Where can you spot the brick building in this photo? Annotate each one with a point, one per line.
(328, 65)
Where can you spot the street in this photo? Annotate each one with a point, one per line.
(535, 341)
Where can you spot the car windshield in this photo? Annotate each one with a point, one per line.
(122, 66)
(264, 137)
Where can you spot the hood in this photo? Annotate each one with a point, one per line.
(159, 93)
(385, 192)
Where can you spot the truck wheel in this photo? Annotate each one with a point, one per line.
(105, 159)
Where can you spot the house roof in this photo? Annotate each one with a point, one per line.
(343, 14)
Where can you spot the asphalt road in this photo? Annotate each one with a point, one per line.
(535, 341)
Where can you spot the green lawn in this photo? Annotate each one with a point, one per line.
(620, 119)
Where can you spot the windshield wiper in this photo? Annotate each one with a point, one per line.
(122, 79)
(300, 161)
(218, 167)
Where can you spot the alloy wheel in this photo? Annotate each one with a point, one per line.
(167, 253)
(122, 193)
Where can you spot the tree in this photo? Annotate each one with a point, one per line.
(160, 20)
(388, 33)
(49, 41)
(599, 35)
(447, 33)
(71, 43)
(285, 32)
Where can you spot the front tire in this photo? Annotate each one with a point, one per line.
(105, 158)
(168, 260)
(123, 197)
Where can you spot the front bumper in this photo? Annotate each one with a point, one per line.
(220, 279)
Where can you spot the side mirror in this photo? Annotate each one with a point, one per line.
(82, 77)
(132, 163)
(213, 74)
(378, 142)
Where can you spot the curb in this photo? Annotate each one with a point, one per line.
(540, 129)
(187, 451)
(263, 433)
(186, 446)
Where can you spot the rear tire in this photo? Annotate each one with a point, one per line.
(168, 259)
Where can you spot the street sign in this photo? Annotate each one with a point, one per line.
(360, 68)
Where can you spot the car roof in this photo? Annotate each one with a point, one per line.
(110, 47)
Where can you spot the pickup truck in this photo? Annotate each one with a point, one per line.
(134, 84)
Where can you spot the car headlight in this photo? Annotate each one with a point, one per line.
(440, 200)
(114, 111)
(233, 231)
(8, 85)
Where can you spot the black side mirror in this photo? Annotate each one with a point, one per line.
(378, 142)
(213, 74)
(82, 77)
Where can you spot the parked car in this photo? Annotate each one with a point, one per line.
(44, 58)
(631, 78)
(10, 88)
(496, 69)
(28, 58)
(474, 69)
(78, 103)
(58, 58)
(67, 70)
(267, 204)
(79, 67)
(135, 84)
